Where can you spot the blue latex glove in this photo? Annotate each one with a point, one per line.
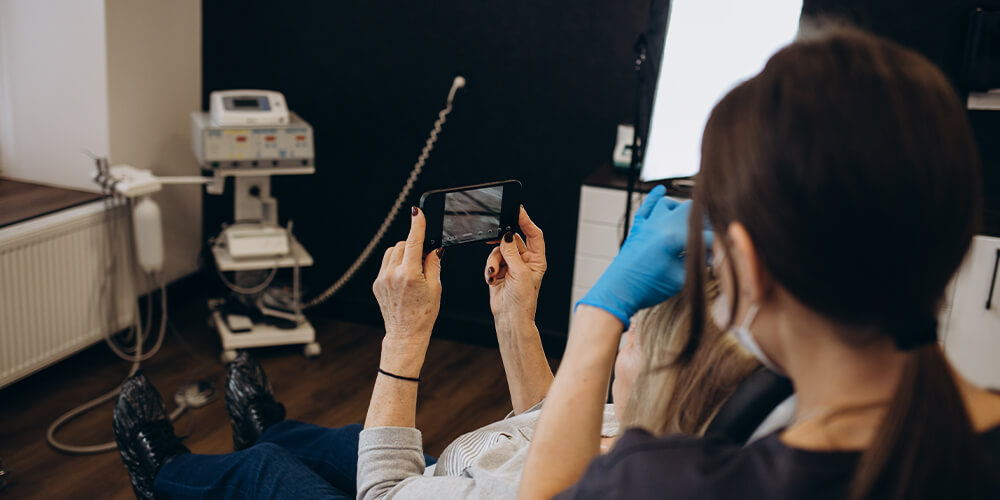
(649, 268)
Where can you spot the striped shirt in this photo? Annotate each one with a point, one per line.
(463, 452)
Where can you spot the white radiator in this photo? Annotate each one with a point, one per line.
(57, 275)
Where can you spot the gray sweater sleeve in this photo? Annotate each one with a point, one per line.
(391, 465)
(486, 463)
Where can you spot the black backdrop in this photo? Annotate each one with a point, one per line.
(547, 84)
(935, 28)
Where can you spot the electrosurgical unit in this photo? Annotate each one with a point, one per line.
(250, 135)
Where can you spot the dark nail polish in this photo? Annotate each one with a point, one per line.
(491, 270)
(414, 211)
(508, 237)
(440, 252)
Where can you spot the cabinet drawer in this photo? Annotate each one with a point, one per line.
(597, 240)
(586, 270)
(603, 205)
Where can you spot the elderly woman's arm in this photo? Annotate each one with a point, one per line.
(529, 375)
(514, 273)
(408, 289)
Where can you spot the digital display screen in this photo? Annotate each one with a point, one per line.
(472, 215)
(246, 102)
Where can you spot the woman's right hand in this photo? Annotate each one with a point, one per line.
(649, 268)
(408, 290)
(514, 273)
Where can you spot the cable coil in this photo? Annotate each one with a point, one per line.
(418, 167)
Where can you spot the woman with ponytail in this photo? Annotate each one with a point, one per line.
(842, 185)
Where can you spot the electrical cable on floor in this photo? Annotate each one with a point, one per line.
(187, 397)
(136, 358)
(136, 361)
(418, 167)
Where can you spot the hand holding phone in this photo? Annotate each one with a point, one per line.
(471, 214)
(408, 290)
(514, 273)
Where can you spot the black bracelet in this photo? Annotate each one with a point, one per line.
(400, 377)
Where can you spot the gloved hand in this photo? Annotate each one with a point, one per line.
(649, 268)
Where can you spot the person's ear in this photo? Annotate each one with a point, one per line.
(753, 279)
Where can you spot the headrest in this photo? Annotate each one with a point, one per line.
(749, 405)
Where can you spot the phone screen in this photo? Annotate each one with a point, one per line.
(472, 215)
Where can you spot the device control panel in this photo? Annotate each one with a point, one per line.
(216, 146)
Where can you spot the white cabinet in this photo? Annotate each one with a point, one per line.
(971, 335)
(598, 235)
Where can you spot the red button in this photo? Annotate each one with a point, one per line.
(300, 138)
(241, 139)
(269, 138)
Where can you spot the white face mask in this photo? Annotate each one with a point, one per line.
(720, 314)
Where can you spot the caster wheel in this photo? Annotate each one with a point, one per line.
(312, 349)
(228, 356)
(3, 476)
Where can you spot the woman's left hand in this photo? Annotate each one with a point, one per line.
(649, 268)
(514, 273)
(408, 290)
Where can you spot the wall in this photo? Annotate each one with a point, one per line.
(547, 84)
(114, 77)
(154, 80)
(55, 90)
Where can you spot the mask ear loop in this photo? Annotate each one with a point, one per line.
(718, 259)
(751, 315)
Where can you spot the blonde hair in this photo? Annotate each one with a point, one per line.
(672, 396)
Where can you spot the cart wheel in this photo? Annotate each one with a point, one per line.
(228, 356)
(312, 349)
(3, 476)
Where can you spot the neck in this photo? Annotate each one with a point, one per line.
(839, 383)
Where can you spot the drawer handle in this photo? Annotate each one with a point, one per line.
(993, 281)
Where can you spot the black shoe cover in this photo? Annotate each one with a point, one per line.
(144, 434)
(249, 401)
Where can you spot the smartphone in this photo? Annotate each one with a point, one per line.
(470, 214)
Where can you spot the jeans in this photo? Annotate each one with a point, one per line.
(290, 460)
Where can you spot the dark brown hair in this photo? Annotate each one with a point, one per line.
(672, 397)
(850, 163)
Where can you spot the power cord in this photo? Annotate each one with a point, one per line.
(134, 355)
(136, 361)
(418, 167)
(260, 287)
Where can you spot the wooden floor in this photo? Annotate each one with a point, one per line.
(20, 201)
(463, 388)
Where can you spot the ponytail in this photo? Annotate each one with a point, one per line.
(926, 447)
